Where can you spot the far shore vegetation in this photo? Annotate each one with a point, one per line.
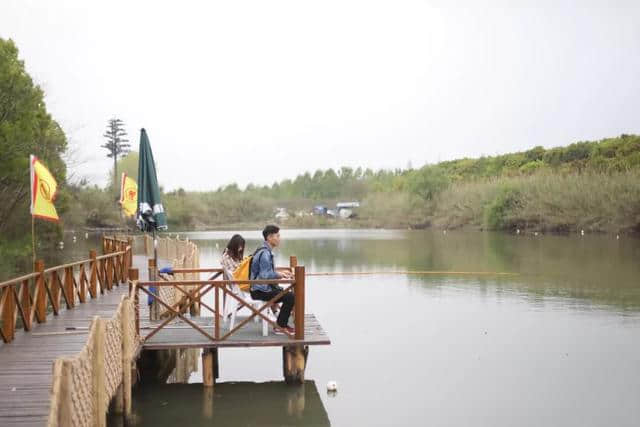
(592, 186)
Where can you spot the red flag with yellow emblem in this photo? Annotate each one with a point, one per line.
(44, 189)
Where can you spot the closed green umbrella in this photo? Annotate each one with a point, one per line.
(151, 215)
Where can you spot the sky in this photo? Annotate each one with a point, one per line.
(260, 91)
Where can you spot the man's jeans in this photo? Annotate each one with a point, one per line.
(287, 301)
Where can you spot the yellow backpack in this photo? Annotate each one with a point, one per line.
(243, 271)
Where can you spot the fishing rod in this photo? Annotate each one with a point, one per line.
(442, 273)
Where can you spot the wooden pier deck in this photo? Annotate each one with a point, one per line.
(26, 364)
(181, 335)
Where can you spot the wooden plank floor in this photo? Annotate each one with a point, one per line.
(179, 334)
(26, 364)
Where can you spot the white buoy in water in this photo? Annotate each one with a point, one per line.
(617, 236)
(517, 231)
(582, 232)
(535, 233)
(61, 245)
(444, 231)
(74, 239)
(332, 386)
(86, 235)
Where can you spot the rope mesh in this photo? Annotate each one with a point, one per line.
(113, 355)
(181, 254)
(82, 409)
(80, 397)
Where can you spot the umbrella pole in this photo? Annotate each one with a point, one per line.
(155, 256)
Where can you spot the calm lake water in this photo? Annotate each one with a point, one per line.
(557, 344)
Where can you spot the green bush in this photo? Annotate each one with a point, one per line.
(501, 212)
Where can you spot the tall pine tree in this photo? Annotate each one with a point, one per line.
(116, 145)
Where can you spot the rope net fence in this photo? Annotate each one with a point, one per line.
(84, 384)
(181, 254)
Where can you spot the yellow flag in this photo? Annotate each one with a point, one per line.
(44, 189)
(128, 195)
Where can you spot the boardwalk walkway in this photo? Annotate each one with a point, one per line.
(26, 364)
(27, 361)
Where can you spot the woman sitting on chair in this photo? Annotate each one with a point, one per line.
(233, 254)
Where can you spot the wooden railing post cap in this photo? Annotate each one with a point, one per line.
(133, 273)
(152, 262)
(92, 253)
(38, 265)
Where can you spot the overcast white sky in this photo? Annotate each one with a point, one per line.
(258, 91)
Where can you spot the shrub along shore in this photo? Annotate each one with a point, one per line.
(590, 186)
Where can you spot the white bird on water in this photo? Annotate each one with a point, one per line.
(332, 386)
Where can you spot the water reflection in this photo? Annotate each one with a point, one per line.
(230, 403)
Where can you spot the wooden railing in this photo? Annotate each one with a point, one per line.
(33, 295)
(199, 288)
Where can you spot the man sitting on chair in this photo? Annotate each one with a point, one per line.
(262, 267)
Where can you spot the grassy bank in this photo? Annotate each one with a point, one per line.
(545, 202)
(592, 186)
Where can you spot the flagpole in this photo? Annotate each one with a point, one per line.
(33, 237)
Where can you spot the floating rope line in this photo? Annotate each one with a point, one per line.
(442, 273)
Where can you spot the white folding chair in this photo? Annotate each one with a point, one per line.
(232, 306)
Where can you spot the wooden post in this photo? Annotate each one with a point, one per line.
(99, 410)
(93, 277)
(40, 292)
(207, 403)
(154, 310)
(294, 362)
(55, 291)
(68, 285)
(129, 256)
(108, 265)
(299, 302)
(62, 377)
(133, 277)
(127, 355)
(82, 277)
(25, 299)
(217, 324)
(8, 303)
(208, 377)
